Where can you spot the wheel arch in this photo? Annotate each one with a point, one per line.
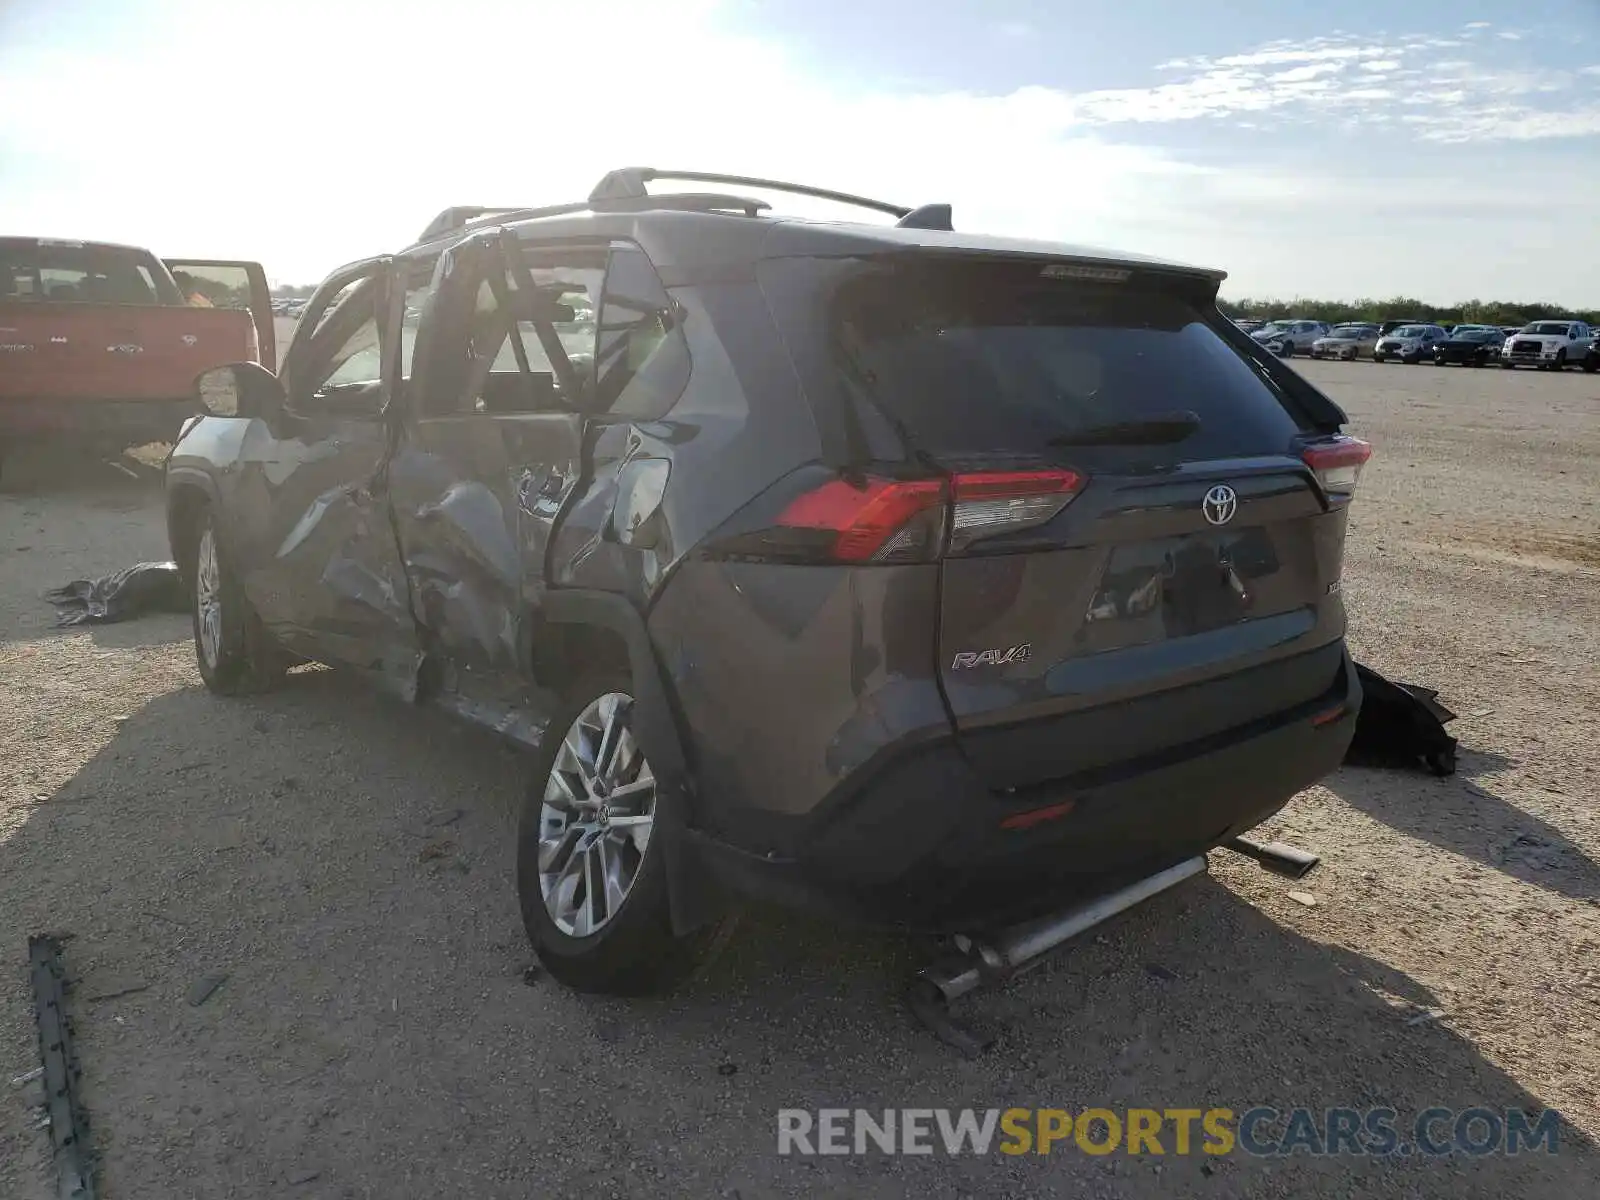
(189, 493)
(578, 627)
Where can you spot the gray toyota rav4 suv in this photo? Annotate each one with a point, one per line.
(920, 577)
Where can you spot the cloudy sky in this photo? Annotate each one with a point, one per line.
(1341, 149)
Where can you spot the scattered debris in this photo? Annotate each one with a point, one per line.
(303, 1177)
(26, 1077)
(1161, 972)
(1427, 1014)
(1480, 712)
(447, 818)
(438, 848)
(530, 975)
(141, 588)
(205, 986)
(1400, 724)
(60, 1071)
(118, 993)
(1305, 898)
(728, 1068)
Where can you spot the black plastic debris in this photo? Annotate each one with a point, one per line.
(1401, 725)
(69, 1124)
(142, 588)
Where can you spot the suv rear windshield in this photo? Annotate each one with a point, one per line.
(986, 357)
(82, 272)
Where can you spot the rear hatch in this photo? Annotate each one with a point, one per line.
(1143, 530)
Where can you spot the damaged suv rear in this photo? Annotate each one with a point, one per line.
(928, 579)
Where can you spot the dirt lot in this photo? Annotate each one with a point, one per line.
(347, 863)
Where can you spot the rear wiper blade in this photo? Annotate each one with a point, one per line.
(1158, 430)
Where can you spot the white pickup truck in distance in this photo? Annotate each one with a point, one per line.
(1547, 345)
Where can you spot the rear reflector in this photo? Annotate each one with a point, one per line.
(1329, 716)
(1337, 463)
(915, 520)
(1037, 816)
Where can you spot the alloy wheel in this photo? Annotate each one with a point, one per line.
(596, 818)
(208, 597)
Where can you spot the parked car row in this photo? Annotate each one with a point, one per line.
(1547, 345)
(288, 307)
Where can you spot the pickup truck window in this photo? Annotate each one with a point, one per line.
(81, 273)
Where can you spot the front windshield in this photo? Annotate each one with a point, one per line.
(1351, 331)
(1546, 327)
(1274, 327)
(1472, 335)
(1409, 331)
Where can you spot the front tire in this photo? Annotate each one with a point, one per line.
(234, 652)
(591, 871)
(1561, 361)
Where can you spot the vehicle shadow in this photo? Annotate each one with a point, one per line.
(346, 862)
(1467, 818)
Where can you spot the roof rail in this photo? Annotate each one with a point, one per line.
(628, 183)
(623, 190)
(463, 215)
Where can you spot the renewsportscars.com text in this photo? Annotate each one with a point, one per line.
(1260, 1132)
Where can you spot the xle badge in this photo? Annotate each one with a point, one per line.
(991, 658)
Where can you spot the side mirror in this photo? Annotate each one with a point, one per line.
(241, 389)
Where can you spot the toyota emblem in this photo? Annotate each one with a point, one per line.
(1220, 504)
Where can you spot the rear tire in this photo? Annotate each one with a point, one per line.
(1591, 364)
(234, 652)
(594, 892)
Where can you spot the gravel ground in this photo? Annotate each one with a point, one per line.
(347, 863)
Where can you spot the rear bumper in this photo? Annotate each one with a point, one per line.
(921, 845)
(131, 421)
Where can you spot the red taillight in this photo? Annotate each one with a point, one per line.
(1337, 463)
(865, 518)
(914, 520)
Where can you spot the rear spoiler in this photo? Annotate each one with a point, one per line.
(1312, 403)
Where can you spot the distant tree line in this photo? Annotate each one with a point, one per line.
(1470, 312)
(293, 291)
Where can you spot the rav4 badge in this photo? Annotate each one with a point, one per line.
(991, 658)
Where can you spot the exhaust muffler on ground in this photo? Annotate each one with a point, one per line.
(984, 961)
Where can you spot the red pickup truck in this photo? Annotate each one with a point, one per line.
(100, 344)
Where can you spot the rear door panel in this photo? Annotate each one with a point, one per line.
(476, 499)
